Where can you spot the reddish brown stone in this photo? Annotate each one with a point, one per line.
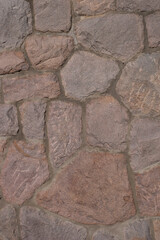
(148, 192)
(64, 131)
(156, 228)
(24, 170)
(107, 124)
(30, 85)
(94, 188)
(32, 119)
(91, 7)
(12, 61)
(152, 25)
(48, 52)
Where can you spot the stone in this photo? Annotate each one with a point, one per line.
(148, 191)
(52, 15)
(156, 228)
(138, 5)
(3, 142)
(152, 23)
(39, 225)
(118, 35)
(30, 85)
(24, 170)
(107, 124)
(8, 120)
(92, 189)
(64, 127)
(144, 143)
(139, 85)
(104, 235)
(12, 61)
(86, 74)
(91, 7)
(48, 52)
(8, 223)
(15, 22)
(32, 119)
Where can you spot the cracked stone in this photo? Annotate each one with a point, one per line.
(152, 23)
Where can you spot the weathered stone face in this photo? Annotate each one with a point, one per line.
(152, 25)
(52, 15)
(117, 35)
(8, 223)
(144, 143)
(107, 124)
(15, 22)
(139, 85)
(91, 7)
(94, 188)
(64, 129)
(136, 5)
(24, 170)
(38, 225)
(156, 227)
(8, 120)
(103, 235)
(48, 52)
(30, 85)
(86, 74)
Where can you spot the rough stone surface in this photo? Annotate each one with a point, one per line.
(12, 61)
(118, 35)
(94, 188)
(64, 131)
(24, 170)
(38, 225)
(30, 85)
(86, 74)
(52, 15)
(15, 22)
(156, 227)
(104, 235)
(48, 52)
(8, 223)
(152, 25)
(148, 192)
(107, 124)
(144, 143)
(138, 5)
(91, 7)
(8, 120)
(139, 85)
(32, 119)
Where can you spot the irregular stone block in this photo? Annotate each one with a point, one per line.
(156, 228)
(138, 5)
(152, 25)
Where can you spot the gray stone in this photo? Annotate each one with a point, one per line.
(39, 225)
(103, 235)
(52, 15)
(15, 22)
(138, 5)
(86, 74)
(152, 25)
(139, 85)
(118, 35)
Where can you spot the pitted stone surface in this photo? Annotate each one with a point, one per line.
(64, 128)
(156, 227)
(32, 119)
(118, 35)
(94, 188)
(30, 85)
(139, 85)
(148, 192)
(39, 225)
(24, 170)
(91, 7)
(152, 25)
(86, 74)
(138, 5)
(144, 143)
(8, 223)
(107, 124)
(48, 52)
(52, 15)
(8, 120)
(12, 61)
(15, 22)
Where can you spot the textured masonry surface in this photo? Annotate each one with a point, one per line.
(79, 120)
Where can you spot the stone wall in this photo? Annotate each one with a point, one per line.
(80, 120)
